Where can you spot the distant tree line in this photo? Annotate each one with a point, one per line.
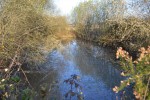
(114, 22)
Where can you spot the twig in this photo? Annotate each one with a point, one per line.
(14, 58)
(13, 61)
(25, 77)
(45, 76)
(1, 62)
(146, 89)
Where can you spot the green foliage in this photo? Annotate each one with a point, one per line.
(15, 79)
(138, 72)
(27, 94)
(11, 89)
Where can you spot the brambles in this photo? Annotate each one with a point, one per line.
(137, 72)
(74, 83)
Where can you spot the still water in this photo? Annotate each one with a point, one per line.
(95, 66)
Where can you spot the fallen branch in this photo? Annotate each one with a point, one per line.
(146, 89)
(25, 77)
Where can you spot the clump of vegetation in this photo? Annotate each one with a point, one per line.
(131, 33)
(114, 23)
(137, 72)
(13, 86)
(24, 27)
(74, 81)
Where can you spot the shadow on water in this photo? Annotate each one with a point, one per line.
(92, 63)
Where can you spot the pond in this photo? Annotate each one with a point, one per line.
(94, 64)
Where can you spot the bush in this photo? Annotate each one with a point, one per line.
(131, 33)
(24, 27)
(137, 72)
(22, 30)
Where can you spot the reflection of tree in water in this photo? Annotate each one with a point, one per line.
(97, 66)
(92, 60)
(45, 84)
(92, 63)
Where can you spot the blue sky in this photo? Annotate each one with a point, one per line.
(66, 6)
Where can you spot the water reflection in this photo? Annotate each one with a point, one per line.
(92, 63)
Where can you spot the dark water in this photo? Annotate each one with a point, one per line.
(92, 63)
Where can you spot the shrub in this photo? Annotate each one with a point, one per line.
(24, 27)
(137, 72)
(131, 33)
